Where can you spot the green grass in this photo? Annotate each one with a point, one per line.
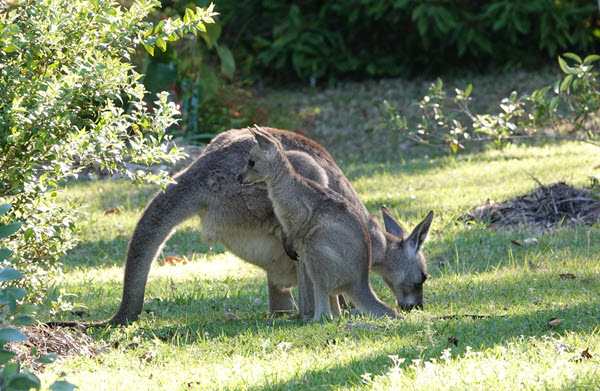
(190, 340)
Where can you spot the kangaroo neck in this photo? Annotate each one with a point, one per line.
(378, 241)
(289, 195)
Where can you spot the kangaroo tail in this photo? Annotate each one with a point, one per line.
(165, 211)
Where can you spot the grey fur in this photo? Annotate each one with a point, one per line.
(242, 218)
(331, 238)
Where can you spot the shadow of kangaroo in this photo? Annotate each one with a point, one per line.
(242, 218)
(333, 244)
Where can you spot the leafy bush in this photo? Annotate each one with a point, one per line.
(69, 99)
(203, 80)
(373, 38)
(569, 107)
(12, 377)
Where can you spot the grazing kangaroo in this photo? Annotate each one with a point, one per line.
(242, 218)
(331, 238)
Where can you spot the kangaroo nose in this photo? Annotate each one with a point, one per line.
(411, 306)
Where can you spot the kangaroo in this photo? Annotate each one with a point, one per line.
(331, 238)
(242, 218)
(307, 167)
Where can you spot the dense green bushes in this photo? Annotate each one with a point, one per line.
(374, 38)
(69, 99)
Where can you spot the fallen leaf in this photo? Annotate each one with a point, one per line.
(529, 241)
(330, 342)
(516, 243)
(132, 346)
(148, 356)
(586, 354)
(229, 315)
(173, 261)
(567, 276)
(555, 322)
(453, 340)
(116, 211)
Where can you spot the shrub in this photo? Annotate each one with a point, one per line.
(68, 99)
(569, 107)
(12, 377)
(203, 79)
(373, 38)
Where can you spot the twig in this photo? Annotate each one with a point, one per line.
(534, 178)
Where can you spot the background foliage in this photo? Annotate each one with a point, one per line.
(68, 99)
(372, 38)
(274, 42)
(568, 108)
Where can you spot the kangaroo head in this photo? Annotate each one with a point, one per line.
(261, 159)
(405, 269)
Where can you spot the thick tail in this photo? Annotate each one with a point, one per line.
(164, 212)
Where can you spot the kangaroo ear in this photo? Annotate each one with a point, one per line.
(419, 234)
(391, 224)
(266, 142)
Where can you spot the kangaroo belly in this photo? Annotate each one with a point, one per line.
(262, 249)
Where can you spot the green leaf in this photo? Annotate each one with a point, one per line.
(553, 103)
(149, 48)
(5, 254)
(468, 90)
(212, 34)
(563, 65)
(48, 358)
(591, 58)
(573, 57)
(23, 320)
(11, 368)
(9, 274)
(62, 385)
(160, 42)
(12, 335)
(6, 355)
(14, 292)
(227, 60)
(24, 381)
(9, 229)
(189, 16)
(564, 85)
(4, 208)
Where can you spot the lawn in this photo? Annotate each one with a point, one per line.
(533, 309)
(206, 324)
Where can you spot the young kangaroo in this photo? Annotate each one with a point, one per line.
(306, 166)
(331, 239)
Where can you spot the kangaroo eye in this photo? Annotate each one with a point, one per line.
(250, 163)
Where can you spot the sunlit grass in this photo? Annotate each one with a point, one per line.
(206, 324)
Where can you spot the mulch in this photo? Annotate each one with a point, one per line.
(544, 209)
(42, 340)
